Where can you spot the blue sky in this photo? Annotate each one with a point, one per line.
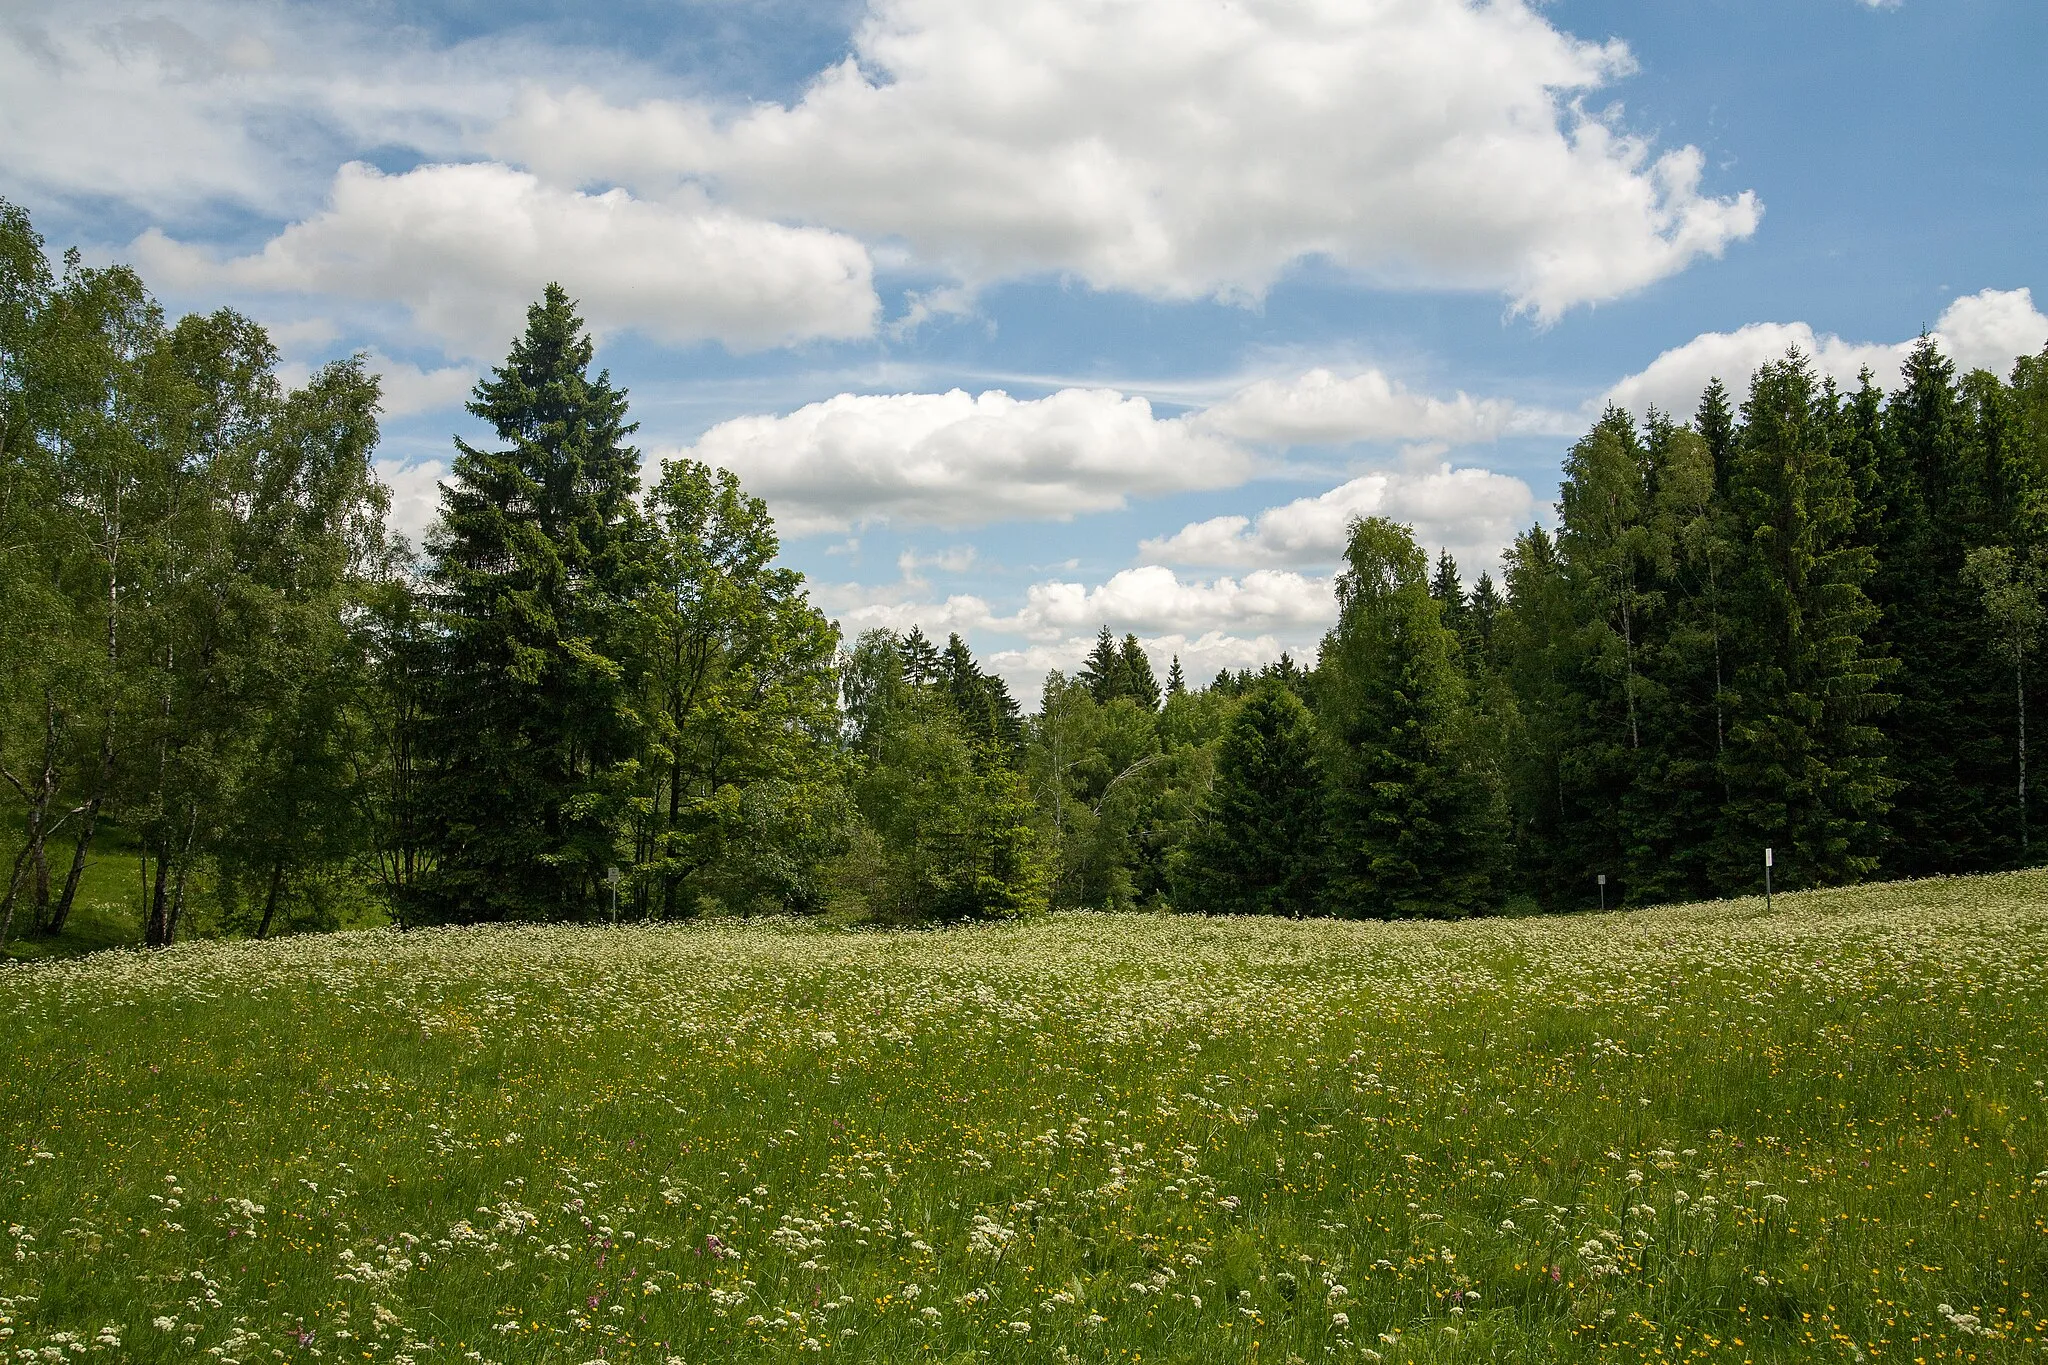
(1033, 315)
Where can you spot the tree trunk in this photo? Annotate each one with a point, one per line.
(7, 905)
(40, 878)
(91, 811)
(156, 932)
(270, 899)
(60, 914)
(184, 864)
(2019, 675)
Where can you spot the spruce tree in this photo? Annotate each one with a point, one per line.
(535, 565)
(1413, 829)
(1947, 737)
(1103, 672)
(1449, 591)
(921, 666)
(982, 702)
(1176, 681)
(1803, 767)
(1258, 844)
(1606, 550)
(1677, 791)
(1481, 613)
(1139, 683)
(1537, 655)
(1714, 420)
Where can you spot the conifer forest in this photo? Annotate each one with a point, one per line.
(1805, 621)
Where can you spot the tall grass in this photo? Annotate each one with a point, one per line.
(1685, 1134)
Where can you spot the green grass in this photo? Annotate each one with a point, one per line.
(107, 912)
(1699, 1133)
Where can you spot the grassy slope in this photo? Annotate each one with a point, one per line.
(1694, 1133)
(106, 913)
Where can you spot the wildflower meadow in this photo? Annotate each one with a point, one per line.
(1698, 1133)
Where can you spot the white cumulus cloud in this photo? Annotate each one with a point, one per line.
(955, 459)
(1988, 329)
(1191, 148)
(175, 105)
(415, 495)
(1154, 600)
(1474, 513)
(467, 247)
(1322, 407)
(408, 389)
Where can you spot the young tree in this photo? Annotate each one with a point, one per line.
(537, 562)
(1094, 769)
(2011, 594)
(1257, 846)
(1176, 681)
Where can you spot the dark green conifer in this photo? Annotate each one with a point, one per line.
(1139, 683)
(1803, 766)
(1257, 847)
(1715, 422)
(1103, 672)
(921, 667)
(1449, 591)
(535, 566)
(1947, 737)
(1412, 828)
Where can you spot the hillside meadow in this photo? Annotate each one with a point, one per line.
(1696, 1133)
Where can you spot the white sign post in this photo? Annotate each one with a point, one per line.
(612, 877)
(1603, 893)
(1767, 879)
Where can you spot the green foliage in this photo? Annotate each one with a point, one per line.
(1412, 825)
(183, 544)
(1803, 765)
(215, 647)
(536, 564)
(1258, 846)
(1124, 670)
(743, 778)
(951, 825)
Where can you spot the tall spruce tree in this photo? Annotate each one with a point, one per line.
(1677, 789)
(1413, 829)
(1606, 551)
(1803, 765)
(536, 563)
(1257, 848)
(1537, 636)
(1946, 738)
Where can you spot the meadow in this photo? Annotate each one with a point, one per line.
(1695, 1133)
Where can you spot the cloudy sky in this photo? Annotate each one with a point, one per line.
(1032, 315)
